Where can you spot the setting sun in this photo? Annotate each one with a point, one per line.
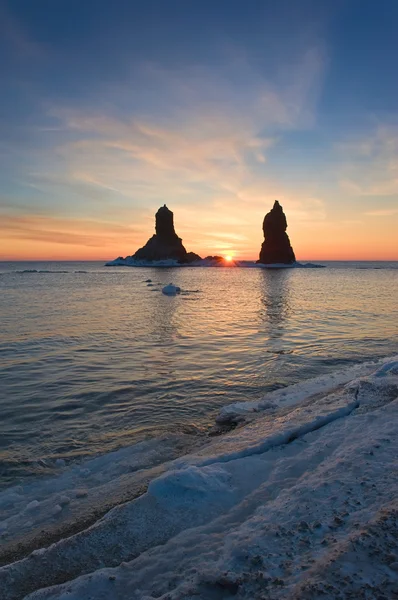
(228, 258)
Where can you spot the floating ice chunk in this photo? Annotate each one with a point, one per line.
(56, 510)
(171, 290)
(32, 505)
(64, 500)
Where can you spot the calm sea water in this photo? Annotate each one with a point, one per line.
(92, 358)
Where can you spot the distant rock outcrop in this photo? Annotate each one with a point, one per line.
(276, 248)
(215, 259)
(165, 244)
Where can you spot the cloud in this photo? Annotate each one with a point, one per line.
(85, 233)
(199, 139)
(371, 163)
(210, 136)
(384, 212)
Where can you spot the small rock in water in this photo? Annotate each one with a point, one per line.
(148, 280)
(171, 290)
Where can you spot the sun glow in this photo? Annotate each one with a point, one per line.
(228, 258)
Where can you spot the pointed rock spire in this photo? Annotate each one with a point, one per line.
(276, 248)
(165, 244)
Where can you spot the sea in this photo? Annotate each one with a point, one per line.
(95, 358)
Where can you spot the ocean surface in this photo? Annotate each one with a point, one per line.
(94, 358)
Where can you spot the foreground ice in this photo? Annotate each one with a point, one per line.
(43, 508)
(300, 503)
(287, 396)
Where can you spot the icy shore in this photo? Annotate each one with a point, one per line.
(300, 502)
(247, 264)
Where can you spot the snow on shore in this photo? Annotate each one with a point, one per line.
(82, 490)
(299, 503)
(298, 392)
(129, 261)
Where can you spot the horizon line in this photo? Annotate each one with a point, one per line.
(6, 260)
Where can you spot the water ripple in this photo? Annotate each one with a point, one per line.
(89, 363)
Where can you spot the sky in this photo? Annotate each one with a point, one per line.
(111, 109)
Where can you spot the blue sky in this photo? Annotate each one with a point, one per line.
(110, 109)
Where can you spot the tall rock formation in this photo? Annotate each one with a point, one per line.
(276, 248)
(165, 244)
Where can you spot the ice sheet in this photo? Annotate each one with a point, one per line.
(285, 503)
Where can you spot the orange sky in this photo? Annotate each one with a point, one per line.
(94, 198)
(239, 234)
(290, 104)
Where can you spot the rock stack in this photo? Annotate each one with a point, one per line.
(276, 248)
(165, 244)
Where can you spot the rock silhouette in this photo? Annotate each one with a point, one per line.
(165, 244)
(276, 248)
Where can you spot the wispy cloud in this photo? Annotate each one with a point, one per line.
(386, 212)
(64, 231)
(211, 138)
(371, 163)
(203, 147)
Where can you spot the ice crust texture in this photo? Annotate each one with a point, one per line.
(298, 503)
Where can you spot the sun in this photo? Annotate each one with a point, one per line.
(228, 258)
